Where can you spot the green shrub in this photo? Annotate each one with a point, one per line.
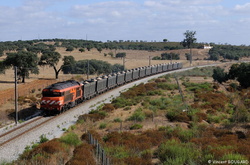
(234, 158)
(135, 126)
(138, 115)
(161, 103)
(71, 139)
(43, 139)
(197, 86)
(102, 125)
(118, 152)
(155, 93)
(174, 152)
(117, 120)
(213, 119)
(186, 135)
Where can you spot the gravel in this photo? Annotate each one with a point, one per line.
(53, 129)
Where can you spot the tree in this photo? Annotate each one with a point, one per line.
(50, 58)
(2, 67)
(82, 50)
(189, 42)
(68, 64)
(219, 75)
(170, 56)
(187, 56)
(165, 40)
(120, 55)
(26, 63)
(241, 73)
(99, 49)
(70, 48)
(117, 68)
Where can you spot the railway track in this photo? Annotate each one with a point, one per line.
(17, 132)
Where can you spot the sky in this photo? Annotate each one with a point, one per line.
(214, 21)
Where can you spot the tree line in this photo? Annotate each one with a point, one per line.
(27, 62)
(89, 66)
(229, 52)
(167, 56)
(36, 46)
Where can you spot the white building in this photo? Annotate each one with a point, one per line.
(207, 47)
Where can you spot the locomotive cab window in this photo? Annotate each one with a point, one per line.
(52, 94)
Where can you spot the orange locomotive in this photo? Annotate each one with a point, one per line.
(61, 96)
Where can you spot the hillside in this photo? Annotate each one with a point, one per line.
(150, 124)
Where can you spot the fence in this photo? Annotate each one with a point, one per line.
(99, 151)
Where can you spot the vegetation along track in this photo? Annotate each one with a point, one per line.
(11, 135)
(16, 133)
(39, 121)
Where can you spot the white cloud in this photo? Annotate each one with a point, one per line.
(243, 8)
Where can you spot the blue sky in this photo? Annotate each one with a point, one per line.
(217, 21)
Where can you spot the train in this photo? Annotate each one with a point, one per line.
(61, 96)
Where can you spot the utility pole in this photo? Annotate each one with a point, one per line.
(88, 71)
(123, 61)
(149, 60)
(16, 95)
(191, 57)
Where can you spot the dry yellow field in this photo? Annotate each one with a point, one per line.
(134, 58)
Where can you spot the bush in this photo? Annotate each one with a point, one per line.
(43, 139)
(93, 115)
(234, 158)
(43, 150)
(71, 139)
(108, 107)
(212, 100)
(174, 115)
(118, 152)
(198, 86)
(160, 103)
(135, 126)
(174, 152)
(138, 115)
(83, 155)
(219, 75)
(102, 125)
(117, 120)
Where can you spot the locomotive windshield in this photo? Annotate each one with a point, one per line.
(52, 94)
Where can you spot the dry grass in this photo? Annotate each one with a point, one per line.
(134, 58)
